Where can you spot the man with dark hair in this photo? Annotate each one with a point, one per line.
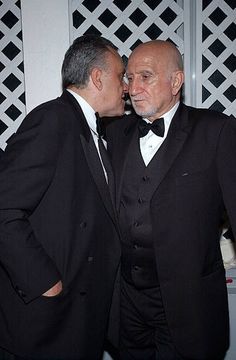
(175, 173)
(59, 243)
(93, 55)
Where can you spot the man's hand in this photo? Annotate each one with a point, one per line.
(55, 290)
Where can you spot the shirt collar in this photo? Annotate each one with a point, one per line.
(87, 109)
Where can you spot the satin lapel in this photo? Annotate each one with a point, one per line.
(177, 135)
(91, 154)
(97, 172)
(129, 135)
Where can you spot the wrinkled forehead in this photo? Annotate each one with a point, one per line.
(142, 59)
(157, 56)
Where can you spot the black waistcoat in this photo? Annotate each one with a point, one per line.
(138, 259)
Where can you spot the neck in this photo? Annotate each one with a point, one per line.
(87, 95)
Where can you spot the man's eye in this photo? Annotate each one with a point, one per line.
(146, 76)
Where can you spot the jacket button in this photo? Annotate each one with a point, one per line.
(136, 224)
(83, 224)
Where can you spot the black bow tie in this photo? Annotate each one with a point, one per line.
(101, 130)
(157, 126)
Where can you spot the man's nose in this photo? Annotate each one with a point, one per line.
(133, 87)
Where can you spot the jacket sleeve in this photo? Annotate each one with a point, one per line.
(226, 162)
(26, 170)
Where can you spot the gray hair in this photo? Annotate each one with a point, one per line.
(86, 52)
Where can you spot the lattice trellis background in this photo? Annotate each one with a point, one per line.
(217, 74)
(127, 23)
(12, 97)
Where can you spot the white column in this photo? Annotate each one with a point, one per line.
(45, 26)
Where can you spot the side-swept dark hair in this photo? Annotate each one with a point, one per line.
(86, 52)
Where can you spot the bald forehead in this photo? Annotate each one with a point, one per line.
(162, 51)
(155, 45)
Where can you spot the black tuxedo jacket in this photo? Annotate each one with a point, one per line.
(56, 222)
(195, 181)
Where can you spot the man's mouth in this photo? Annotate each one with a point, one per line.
(137, 100)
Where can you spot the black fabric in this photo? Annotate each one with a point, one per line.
(194, 183)
(144, 330)
(138, 263)
(105, 158)
(5, 355)
(157, 127)
(56, 222)
(108, 168)
(101, 128)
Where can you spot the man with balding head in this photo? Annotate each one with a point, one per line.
(175, 172)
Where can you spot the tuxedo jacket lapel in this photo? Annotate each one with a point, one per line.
(130, 134)
(177, 135)
(91, 154)
(97, 172)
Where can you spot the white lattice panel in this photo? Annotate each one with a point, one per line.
(12, 102)
(129, 22)
(216, 49)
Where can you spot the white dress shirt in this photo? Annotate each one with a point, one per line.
(150, 143)
(90, 116)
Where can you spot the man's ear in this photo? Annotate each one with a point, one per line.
(96, 77)
(177, 81)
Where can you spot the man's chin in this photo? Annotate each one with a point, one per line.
(120, 113)
(140, 112)
(138, 109)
